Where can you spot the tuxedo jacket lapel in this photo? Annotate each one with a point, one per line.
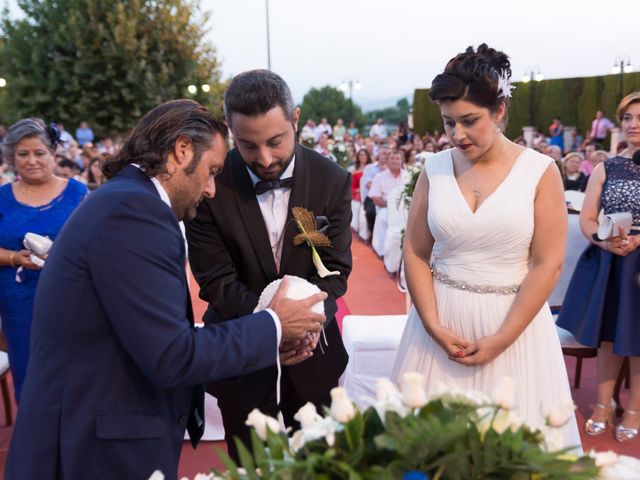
(251, 215)
(299, 198)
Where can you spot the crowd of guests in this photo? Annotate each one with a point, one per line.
(369, 150)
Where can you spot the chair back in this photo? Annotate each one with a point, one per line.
(396, 214)
(576, 244)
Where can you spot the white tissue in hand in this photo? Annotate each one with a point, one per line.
(37, 260)
(37, 243)
(299, 288)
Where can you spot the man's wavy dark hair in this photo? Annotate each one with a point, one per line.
(155, 136)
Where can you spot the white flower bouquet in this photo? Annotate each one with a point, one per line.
(453, 434)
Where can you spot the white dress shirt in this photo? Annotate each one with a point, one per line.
(274, 206)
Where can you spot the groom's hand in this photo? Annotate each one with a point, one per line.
(295, 351)
(296, 316)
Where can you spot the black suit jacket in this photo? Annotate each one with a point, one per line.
(113, 358)
(231, 258)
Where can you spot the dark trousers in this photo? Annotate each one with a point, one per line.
(234, 416)
(370, 213)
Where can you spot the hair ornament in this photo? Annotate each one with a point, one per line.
(53, 133)
(504, 85)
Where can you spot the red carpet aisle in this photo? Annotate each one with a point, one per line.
(371, 292)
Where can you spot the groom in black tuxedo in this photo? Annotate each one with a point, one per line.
(243, 240)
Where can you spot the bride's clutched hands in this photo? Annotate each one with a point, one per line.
(450, 341)
(480, 352)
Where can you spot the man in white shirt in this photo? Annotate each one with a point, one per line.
(378, 130)
(368, 174)
(382, 184)
(244, 240)
(323, 127)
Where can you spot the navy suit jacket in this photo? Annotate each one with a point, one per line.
(114, 358)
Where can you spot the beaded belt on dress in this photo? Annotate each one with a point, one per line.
(470, 287)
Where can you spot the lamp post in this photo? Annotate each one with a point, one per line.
(621, 66)
(532, 75)
(349, 85)
(268, 38)
(193, 89)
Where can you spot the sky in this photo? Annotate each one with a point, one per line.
(394, 47)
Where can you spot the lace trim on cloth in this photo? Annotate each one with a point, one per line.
(470, 287)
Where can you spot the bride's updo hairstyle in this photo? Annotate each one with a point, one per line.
(481, 77)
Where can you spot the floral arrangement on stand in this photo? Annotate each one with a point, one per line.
(339, 153)
(407, 192)
(308, 139)
(453, 434)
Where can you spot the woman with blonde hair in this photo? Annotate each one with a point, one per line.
(602, 305)
(572, 177)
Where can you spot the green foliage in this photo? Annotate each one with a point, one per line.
(426, 114)
(442, 439)
(104, 61)
(329, 102)
(574, 100)
(391, 115)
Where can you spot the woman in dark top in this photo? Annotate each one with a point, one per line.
(572, 177)
(602, 305)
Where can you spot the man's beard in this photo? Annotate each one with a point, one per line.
(285, 164)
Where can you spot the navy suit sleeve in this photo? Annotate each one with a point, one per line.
(137, 266)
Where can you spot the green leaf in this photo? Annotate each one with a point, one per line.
(246, 459)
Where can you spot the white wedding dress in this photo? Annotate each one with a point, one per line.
(490, 247)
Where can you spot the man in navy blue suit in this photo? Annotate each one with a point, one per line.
(116, 367)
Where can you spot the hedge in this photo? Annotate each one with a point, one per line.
(574, 100)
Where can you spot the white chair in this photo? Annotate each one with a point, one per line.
(574, 199)
(372, 343)
(576, 243)
(363, 226)
(4, 386)
(355, 215)
(396, 223)
(379, 231)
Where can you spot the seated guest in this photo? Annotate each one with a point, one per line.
(382, 184)
(362, 160)
(67, 169)
(572, 177)
(95, 177)
(368, 174)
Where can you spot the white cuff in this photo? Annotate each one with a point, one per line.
(276, 321)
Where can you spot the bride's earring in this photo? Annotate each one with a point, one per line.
(498, 129)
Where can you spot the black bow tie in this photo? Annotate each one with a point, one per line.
(264, 186)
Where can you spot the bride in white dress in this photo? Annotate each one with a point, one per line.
(484, 246)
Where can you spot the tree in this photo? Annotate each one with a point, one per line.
(105, 61)
(331, 103)
(391, 115)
